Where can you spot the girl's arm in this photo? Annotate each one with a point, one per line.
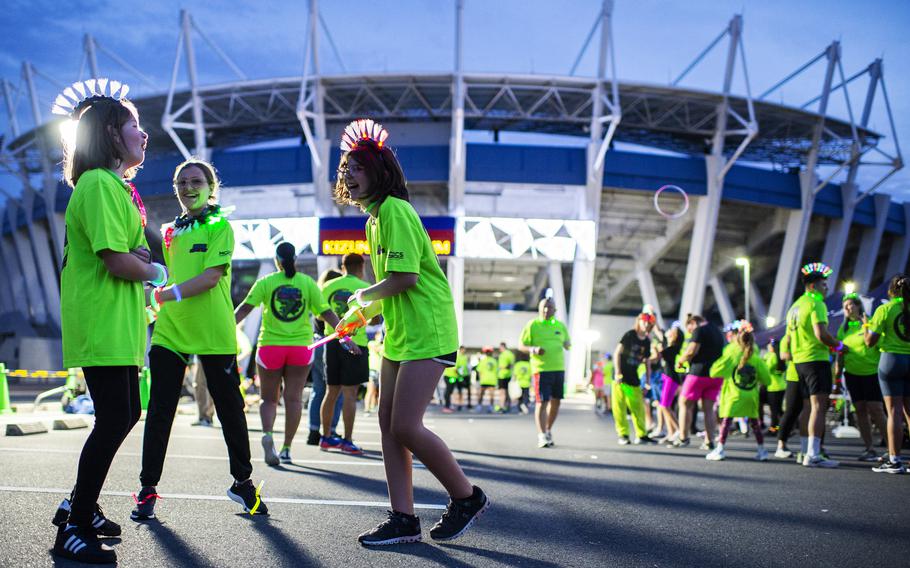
(242, 311)
(393, 284)
(194, 286)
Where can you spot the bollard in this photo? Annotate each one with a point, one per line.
(5, 406)
(145, 384)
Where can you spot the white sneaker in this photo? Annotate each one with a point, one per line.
(717, 454)
(542, 441)
(549, 436)
(818, 461)
(762, 454)
(268, 447)
(783, 454)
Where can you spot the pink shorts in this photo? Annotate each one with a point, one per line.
(696, 388)
(668, 392)
(598, 380)
(275, 357)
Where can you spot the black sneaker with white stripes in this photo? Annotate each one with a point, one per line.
(460, 515)
(145, 504)
(102, 525)
(397, 528)
(82, 545)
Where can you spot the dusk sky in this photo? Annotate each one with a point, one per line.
(655, 41)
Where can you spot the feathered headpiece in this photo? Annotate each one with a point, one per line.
(73, 99)
(817, 267)
(363, 129)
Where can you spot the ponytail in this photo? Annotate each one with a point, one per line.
(287, 258)
(900, 288)
(745, 341)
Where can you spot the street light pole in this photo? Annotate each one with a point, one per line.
(744, 262)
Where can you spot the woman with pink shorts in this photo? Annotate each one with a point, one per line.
(287, 298)
(706, 344)
(670, 346)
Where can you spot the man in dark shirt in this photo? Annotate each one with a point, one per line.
(705, 347)
(634, 349)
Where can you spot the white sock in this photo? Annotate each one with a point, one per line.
(814, 446)
(720, 447)
(804, 445)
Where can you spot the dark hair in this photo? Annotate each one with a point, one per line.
(352, 261)
(208, 172)
(382, 169)
(329, 274)
(774, 344)
(95, 146)
(856, 302)
(746, 340)
(286, 257)
(900, 288)
(813, 277)
(694, 318)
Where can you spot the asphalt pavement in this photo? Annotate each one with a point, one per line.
(585, 502)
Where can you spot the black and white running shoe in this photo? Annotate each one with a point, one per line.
(102, 525)
(248, 495)
(82, 545)
(145, 504)
(397, 528)
(460, 515)
(890, 466)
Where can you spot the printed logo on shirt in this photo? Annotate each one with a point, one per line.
(339, 301)
(396, 255)
(199, 247)
(745, 378)
(287, 303)
(900, 328)
(224, 253)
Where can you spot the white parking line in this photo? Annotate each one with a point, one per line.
(356, 461)
(271, 500)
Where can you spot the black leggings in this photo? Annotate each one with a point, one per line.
(223, 382)
(793, 400)
(776, 404)
(115, 392)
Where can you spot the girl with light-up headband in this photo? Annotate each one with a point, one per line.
(421, 338)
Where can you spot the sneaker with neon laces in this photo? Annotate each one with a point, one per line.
(761, 454)
(397, 528)
(717, 454)
(248, 495)
(783, 453)
(350, 448)
(268, 448)
(542, 441)
(285, 455)
(890, 466)
(145, 504)
(82, 545)
(327, 443)
(460, 514)
(819, 461)
(102, 525)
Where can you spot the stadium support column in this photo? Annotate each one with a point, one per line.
(798, 221)
(200, 149)
(38, 309)
(13, 270)
(44, 262)
(759, 308)
(723, 300)
(457, 171)
(11, 300)
(870, 243)
(900, 251)
(555, 282)
(649, 292)
(603, 111)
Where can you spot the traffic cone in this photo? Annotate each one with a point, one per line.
(145, 385)
(5, 406)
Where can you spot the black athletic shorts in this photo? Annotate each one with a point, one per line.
(346, 369)
(863, 387)
(502, 383)
(549, 384)
(816, 375)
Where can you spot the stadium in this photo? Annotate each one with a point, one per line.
(515, 218)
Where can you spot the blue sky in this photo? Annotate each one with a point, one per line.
(654, 41)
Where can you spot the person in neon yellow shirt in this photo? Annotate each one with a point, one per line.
(860, 373)
(505, 362)
(810, 346)
(196, 317)
(421, 340)
(486, 372)
(522, 373)
(283, 360)
(890, 331)
(106, 259)
(545, 338)
(778, 385)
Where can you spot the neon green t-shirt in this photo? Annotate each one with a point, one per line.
(486, 371)
(550, 334)
(778, 382)
(420, 322)
(859, 359)
(375, 348)
(336, 293)
(739, 395)
(889, 323)
(522, 372)
(505, 360)
(103, 317)
(608, 373)
(802, 316)
(203, 324)
(286, 306)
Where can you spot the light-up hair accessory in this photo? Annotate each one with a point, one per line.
(363, 129)
(819, 267)
(71, 101)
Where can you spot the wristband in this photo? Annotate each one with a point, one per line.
(177, 295)
(867, 326)
(357, 299)
(155, 299)
(160, 278)
(839, 347)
